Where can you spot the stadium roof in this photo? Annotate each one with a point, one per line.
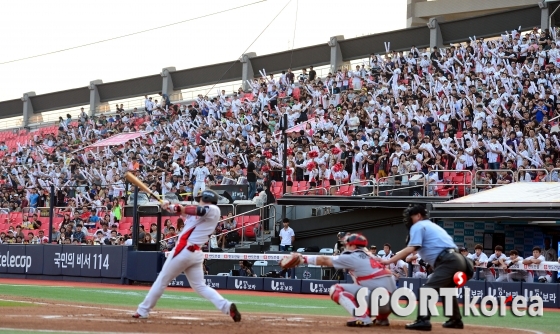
(535, 194)
(522, 201)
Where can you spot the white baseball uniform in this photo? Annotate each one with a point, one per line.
(187, 257)
(490, 276)
(417, 270)
(200, 174)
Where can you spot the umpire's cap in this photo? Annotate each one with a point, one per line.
(357, 240)
(209, 196)
(414, 210)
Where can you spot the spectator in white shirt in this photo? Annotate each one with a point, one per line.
(287, 235)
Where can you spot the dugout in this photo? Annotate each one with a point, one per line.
(517, 216)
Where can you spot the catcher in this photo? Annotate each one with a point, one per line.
(364, 268)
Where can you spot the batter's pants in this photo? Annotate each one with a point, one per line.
(191, 264)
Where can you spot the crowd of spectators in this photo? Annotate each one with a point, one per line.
(478, 105)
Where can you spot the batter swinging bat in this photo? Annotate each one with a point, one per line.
(141, 185)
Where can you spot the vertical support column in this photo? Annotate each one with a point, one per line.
(336, 54)
(247, 72)
(27, 108)
(545, 15)
(411, 19)
(436, 40)
(94, 98)
(167, 86)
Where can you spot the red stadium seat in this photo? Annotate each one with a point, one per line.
(342, 190)
(443, 192)
(253, 219)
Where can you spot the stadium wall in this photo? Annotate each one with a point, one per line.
(114, 264)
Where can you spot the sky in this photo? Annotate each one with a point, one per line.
(47, 26)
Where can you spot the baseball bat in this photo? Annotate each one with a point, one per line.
(141, 185)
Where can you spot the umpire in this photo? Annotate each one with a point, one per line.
(437, 248)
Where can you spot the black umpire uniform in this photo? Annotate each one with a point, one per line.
(436, 248)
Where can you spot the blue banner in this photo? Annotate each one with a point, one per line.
(51, 252)
(316, 287)
(68, 259)
(282, 285)
(35, 256)
(548, 292)
(477, 288)
(85, 259)
(499, 289)
(245, 283)
(15, 260)
(112, 261)
(217, 282)
(410, 283)
(181, 281)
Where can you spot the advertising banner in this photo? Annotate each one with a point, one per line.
(245, 283)
(316, 287)
(282, 285)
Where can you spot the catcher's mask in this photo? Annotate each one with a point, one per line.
(411, 211)
(357, 240)
(340, 234)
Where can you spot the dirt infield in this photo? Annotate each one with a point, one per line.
(60, 316)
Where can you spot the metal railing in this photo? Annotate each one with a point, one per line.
(99, 209)
(62, 210)
(552, 172)
(307, 191)
(224, 206)
(476, 184)
(31, 210)
(386, 181)
(530, 170)
(453, 186)
(349, 184)
(243, 226)
(39, 120)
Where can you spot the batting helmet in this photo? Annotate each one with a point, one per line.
(209, 196)
(357, 240)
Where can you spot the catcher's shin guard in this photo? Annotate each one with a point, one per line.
(344, 299)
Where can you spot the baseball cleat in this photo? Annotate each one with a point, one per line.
(359, 322)
(138, 316)
(420, 325)
(384, 322)
(234, 313)
(453, 323)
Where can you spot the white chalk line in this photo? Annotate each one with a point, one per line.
(185, 298)
(199, 299)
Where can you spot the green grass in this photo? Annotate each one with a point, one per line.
(6, 303)
(246, 303)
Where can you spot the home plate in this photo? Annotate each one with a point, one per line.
(185, 318)
(51, 316)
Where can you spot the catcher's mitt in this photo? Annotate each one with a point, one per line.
(291, 261)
